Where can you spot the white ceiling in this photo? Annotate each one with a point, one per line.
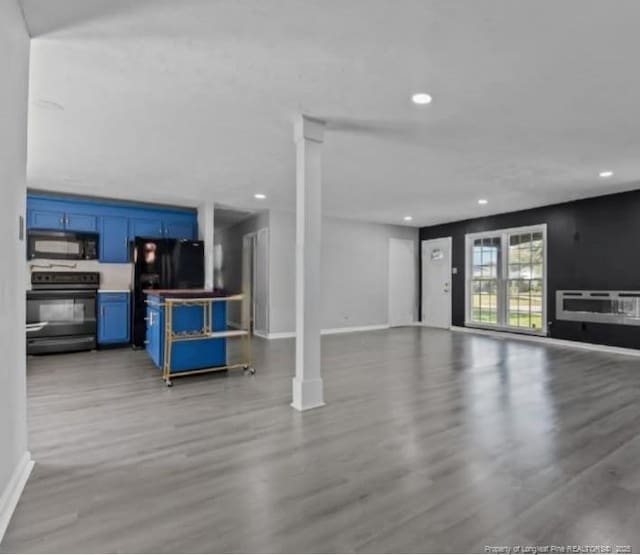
(178, 101)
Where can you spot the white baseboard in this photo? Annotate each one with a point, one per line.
(277, 335)
(354, 329)
(327, 331)
(552, 341)
(13, 491)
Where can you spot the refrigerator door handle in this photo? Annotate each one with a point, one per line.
(164, 273)
(170, 271)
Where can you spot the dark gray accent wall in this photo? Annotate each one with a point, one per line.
(591, 244)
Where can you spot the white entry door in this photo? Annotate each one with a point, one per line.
(402, 282)
(436, 282)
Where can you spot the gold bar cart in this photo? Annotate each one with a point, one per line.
(170, 337)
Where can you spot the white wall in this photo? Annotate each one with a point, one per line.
(355, 272)
(14, 77)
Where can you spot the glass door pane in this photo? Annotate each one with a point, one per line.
(524, 280)
(486, 256)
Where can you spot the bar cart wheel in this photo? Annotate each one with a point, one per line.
(249, 369)
(169, 383)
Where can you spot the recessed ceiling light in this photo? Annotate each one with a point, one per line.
(483, 201)
(421, 98)
(408, 218)
(606, 173)
(260, 196)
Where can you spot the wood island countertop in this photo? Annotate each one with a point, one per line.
(187, 293)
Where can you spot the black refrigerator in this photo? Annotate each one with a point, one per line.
(162, 264)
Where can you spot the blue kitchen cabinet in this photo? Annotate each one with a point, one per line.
(60, 220)
(151, 228)
(80, 222)
(154, 340)
(45, 219)
(178, 229)
(114, 239)
(116, 222)
(185, 355)
(113, 318)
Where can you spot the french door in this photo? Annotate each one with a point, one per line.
(506, 279)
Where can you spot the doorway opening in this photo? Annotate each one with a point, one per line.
(255, 282)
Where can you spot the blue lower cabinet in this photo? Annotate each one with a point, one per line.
(186, 355)
(154, 341)
(113, 318)
(114, 239)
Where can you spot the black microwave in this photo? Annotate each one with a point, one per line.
(62, 245)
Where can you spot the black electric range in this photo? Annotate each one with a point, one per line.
(64, 304)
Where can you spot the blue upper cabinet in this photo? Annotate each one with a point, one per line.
(80, 222)
(45, 219)
(179, 228)
(117, 223)
(147, 227)
(169, 226)
(114, 239)
(60, 220)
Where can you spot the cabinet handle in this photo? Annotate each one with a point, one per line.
(102, 311)
(61, 221)
(146, 341)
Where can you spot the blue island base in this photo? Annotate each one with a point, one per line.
(188, 355)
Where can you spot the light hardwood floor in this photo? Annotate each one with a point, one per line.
(430, 441)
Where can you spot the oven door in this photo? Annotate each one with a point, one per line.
(66, 313)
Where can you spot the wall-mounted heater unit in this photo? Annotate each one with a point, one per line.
(607, 307)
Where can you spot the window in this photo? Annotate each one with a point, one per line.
(484, 282)
(524, 287)
(506, 277)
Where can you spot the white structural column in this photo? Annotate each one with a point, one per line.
(307, 384)
(205, 233)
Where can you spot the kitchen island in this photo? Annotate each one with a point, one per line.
(187, 332)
